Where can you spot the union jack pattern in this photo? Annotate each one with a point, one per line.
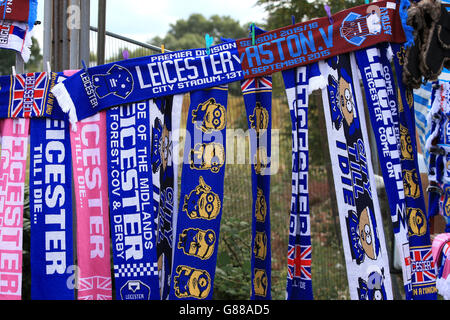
(28, 95)
(95, 288)
(256, 84)
(423, 270)
(299, 262)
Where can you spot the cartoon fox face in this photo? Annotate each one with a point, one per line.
(346, 101)
(117, 81)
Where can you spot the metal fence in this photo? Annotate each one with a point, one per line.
(233, 266)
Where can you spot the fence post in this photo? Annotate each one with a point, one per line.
(48, 21)
(74, 59)
(101, 32)
(84, 33)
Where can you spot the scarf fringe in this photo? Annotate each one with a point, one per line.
(443, 287)
(316, 83)
(62, 95)
(26, 50)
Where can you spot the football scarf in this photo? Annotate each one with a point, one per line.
(164, 128)
(133, 80)
(257, 94)
(441, 256)
(379, 87)
(201, 196)
(435, 144)
(16, 36)
(299, 83)
(19, 10)
(132, 220)
(51, 251)
(422, 266)
(28, 95)
(14, 152)
(90, 180)
(439, 146)
(359, 213)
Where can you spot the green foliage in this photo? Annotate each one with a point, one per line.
(8, 59)
(233, 279)
(190, 33)
(281, 11)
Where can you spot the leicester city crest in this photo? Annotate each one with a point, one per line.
(118, 81)
(356, 28)
(135, 290)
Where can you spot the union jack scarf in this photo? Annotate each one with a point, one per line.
(379, 85)
(299, 83)
(28, 96)
(16, 36)
(422, 265)
(257, 94)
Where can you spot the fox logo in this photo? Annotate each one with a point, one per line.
(117, 81)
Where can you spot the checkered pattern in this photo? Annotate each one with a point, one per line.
(135, 269)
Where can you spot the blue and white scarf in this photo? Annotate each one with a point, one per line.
(133, 221)
(299, 83)
(379, 85)
(16, 36)
(422, 266)
(359, 212)
(164, 129)
(438, 143)
(201, 199)
(52, 256)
